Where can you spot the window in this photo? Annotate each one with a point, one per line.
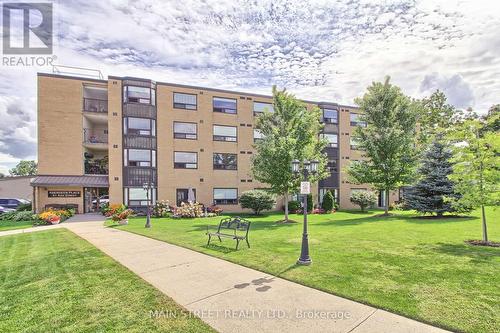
(225, 196)
(182, 195)
(257, 135)
(259, 107)
(330, 116)
(382, 198)
(140, 157)
(225, 133)
(142, 95)
(332, 140)
(137, 196)
(185, 130)
(185, 101)
(354, 143)
(185, 160)
(139, 126)
(225, 161)
(224, 105)
(354, 117)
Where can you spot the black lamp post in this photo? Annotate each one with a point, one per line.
(147, 187)
(308, 167)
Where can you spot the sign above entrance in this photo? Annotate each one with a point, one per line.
(65, 194)
(305, 188)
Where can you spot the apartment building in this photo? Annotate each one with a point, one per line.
(108, 137)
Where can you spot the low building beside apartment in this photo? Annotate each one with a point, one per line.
(109, 137)
(16, 187)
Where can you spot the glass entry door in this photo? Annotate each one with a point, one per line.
(93, 197)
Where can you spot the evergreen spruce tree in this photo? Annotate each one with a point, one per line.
(427, 195)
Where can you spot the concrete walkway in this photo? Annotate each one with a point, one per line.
(232, 298)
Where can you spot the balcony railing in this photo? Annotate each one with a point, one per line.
(95, 105)
(92, 136)
(141, 142)
(137, 176)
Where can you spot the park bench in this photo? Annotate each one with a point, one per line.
(231, 227)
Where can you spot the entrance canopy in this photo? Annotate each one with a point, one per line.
(83, 181)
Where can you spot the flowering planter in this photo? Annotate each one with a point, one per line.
(123, 222)
(54, 222)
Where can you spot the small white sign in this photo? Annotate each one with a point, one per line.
(305, 188)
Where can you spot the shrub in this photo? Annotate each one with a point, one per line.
(363, 199)
(123, 215)
(294, 206)
(110, 210)
(18, 216)
(215, 210)
(161, 208)
(328, 202)
(257, 200)
(24, 207)
(190, 209)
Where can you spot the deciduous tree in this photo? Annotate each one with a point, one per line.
(24, 168)
(289, 132)
(388, 140)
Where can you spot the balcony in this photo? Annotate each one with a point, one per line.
(95, 138)
(137, 176)
(95, 105)
(98, 166)
(139, 110)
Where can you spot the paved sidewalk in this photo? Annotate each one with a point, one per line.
(232, 298)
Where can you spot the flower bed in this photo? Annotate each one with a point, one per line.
(53, 216)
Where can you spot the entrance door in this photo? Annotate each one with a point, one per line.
(93, 197)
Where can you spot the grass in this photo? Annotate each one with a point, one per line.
(55, 281)
(11, 225)
(420, 268)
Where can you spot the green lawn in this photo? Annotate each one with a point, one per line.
(53, 281)
(10, 225)
(419, 268)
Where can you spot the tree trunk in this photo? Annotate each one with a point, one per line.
(485, 229)
(286, 206)
(386, 202)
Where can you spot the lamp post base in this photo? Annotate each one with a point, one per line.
(304, 262)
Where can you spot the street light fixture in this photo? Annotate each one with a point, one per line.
(308, 168)
(147, 187)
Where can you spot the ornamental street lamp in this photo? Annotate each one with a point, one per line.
(308, 168)
(147, 187)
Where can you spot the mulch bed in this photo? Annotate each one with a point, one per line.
(476, 242)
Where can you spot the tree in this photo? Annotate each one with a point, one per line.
(476, 170)
(289, 132)
(257, 200)
(429, 193)
(388, 140)
(328, 202)
(434, 116)
(363, 199)
(24, 168)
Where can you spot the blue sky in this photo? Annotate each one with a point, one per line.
(321, 50)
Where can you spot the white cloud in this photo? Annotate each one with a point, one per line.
(319, 49)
